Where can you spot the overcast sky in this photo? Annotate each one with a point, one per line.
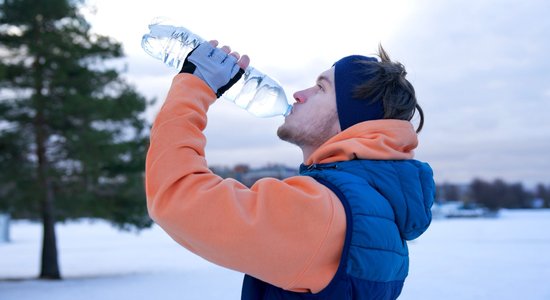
(480, 68)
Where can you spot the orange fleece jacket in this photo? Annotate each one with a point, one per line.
(289, 233)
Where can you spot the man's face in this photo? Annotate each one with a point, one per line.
(314, 118)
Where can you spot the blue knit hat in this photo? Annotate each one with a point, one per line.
(348, 73)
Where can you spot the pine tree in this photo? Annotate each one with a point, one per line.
(72, 132)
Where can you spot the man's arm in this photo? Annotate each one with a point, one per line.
(289, 233)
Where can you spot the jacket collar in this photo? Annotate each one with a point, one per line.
(377, 140)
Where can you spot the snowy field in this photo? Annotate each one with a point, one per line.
(502, 258)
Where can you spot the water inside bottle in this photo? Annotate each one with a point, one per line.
(174, 53)
(259, 95)
(169, 44)
(248, 87)
(152, 46)
(271, 101)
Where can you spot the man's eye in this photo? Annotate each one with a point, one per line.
(320, 87)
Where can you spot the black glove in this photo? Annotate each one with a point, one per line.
(218, 69)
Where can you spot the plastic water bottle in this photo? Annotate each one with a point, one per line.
(255, 92)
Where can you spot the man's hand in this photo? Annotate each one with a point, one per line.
(218, 67)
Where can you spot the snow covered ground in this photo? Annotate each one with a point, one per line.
(502, 258)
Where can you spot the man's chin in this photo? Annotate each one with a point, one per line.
(285, 133)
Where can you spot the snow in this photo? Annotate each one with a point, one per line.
(497, 258)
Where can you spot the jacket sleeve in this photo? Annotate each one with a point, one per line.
(289, 233)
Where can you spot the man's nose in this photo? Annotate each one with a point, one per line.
(300, 96)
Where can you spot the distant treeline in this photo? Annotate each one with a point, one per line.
(495, 194)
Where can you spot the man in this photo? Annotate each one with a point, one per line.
(337, 231)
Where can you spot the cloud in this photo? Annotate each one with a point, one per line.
(481, 73)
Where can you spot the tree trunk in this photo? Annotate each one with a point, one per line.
(49, 267)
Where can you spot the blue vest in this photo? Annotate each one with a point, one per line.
(386, 203)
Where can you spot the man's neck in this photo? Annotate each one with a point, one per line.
(307, 151)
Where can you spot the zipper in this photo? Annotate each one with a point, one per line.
(321, 167)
